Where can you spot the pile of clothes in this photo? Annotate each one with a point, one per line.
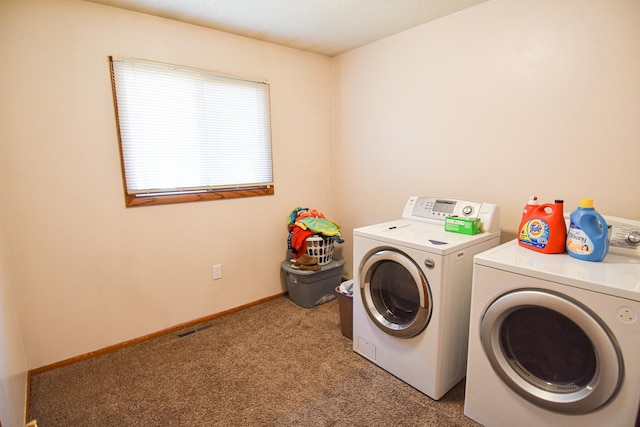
(303, 223)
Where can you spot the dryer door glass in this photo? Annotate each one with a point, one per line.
(395, 293)
(551, 350)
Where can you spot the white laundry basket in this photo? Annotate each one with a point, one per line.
(320, 248)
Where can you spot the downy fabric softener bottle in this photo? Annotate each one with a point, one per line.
(587, 237)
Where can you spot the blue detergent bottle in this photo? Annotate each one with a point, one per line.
(587, 237)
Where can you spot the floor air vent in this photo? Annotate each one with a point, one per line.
(194, 330)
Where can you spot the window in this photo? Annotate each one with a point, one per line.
(188, 135)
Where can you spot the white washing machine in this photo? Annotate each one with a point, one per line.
(412, 290)
(553, 340)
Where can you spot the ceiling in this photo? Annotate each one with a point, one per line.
(327, 27)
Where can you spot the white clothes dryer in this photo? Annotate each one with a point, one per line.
(412, 284)
(553, 340)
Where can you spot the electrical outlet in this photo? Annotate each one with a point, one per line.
(217, 271)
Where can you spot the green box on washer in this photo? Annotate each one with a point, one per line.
(462, 225)
(310, 288)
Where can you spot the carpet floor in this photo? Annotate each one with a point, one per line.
(274, 364)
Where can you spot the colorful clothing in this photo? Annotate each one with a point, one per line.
(303, 223)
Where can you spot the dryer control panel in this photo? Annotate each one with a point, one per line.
(437, 209)
(624, 236)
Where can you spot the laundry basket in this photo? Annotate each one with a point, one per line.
(320, 248)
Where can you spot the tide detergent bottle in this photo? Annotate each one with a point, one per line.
(588, 236)
(543, 228)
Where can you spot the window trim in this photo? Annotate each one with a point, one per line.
(161, 199)
(178, 196)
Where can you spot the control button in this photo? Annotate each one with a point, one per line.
(467, 210)
(633, 238)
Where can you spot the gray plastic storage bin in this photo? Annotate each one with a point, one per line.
(311, 288)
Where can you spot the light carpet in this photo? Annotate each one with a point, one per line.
(274, 364)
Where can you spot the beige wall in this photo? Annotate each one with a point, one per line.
(89, 272)
(495, 103)
(13, 365)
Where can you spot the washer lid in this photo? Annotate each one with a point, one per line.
(430, 238)
(615, 275)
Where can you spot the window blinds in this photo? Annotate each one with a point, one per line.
(185, 130)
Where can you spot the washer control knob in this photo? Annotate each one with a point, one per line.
(467, 210)
(633, 238)
(429, 263)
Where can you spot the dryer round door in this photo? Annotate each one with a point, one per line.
(551, 350)
(395, 293)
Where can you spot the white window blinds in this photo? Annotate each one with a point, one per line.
(185, 130)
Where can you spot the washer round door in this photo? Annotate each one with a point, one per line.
(395, 293)
(551, 350)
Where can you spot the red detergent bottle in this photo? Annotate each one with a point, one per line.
(543, 227)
